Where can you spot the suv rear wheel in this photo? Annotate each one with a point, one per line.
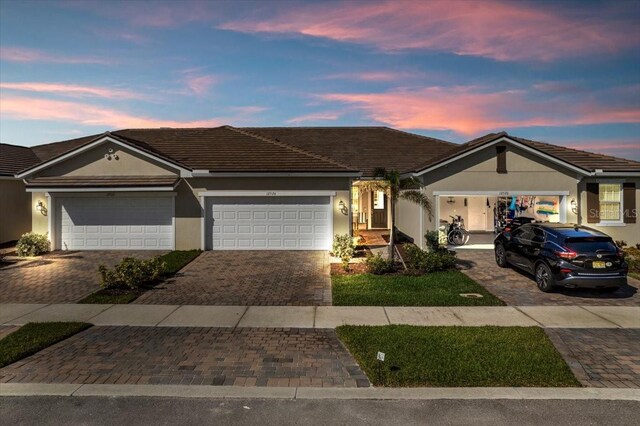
(544, 277)
(501, 256)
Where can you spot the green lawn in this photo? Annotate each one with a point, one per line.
(177, 260)
(174, 261)
(34, 337)
(457, 356)
(434, 289)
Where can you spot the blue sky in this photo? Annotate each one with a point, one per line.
(562, 72)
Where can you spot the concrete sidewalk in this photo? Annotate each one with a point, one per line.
(232, 392)
(322, 316)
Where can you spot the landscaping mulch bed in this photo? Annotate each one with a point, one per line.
(354, 268)
(174, 262)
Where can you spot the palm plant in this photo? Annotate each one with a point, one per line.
(397, 187)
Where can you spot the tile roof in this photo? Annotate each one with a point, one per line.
(362, 148)
(305, 149)
(101, 181)
(228, 149)
(219, 149)
(14, 158)
(585, 160)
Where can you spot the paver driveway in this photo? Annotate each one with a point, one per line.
(285, 278)
(601, 357)
(193, 356)
(59, 277)
(519, 289)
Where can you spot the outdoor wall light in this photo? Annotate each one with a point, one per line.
(574, 206)
(41, 208)
(451, 200)
(343, 208)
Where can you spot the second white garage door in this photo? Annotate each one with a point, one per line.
(269, 223)
(115, 223)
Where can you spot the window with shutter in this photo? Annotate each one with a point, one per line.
(610, 196)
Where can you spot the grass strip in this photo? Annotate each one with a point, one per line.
(457, 356)
(434, 289)
(34, 337)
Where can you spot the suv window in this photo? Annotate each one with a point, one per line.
(524, 233)
(537, 235)
(590, 244)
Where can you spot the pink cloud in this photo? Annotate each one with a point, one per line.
(86, 114)
(372, 76)
(72, 90)
(250, 109)
(321, 116)
(158, 15)
(501, 30)
(469, 111)
(200, 84)
(21, 54)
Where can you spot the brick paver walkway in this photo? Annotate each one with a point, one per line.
(601, 357)
(519, 289)
(193, 356)
(269, 278)
(59, 277)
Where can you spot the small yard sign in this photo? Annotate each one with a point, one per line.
(380, 356)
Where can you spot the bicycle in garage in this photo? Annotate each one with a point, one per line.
(457, 234)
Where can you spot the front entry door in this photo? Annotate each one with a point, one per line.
(378, 209)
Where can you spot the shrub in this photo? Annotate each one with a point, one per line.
(344, 248)
(32, 244)
(132, 273)
(435, 241)
(425, 261)
(621, 243)
(632, 257)
(378, 265)
(432, 239)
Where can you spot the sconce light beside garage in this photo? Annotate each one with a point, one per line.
(451, 200)
(343, 208)
(40, 207)
(574, 206)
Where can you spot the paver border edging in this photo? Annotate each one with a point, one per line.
(225, 392)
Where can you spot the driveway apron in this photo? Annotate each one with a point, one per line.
(253, 278)
(519, 289)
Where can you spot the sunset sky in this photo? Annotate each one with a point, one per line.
(563, 72)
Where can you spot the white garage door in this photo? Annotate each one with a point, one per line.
(118, 223)
(269, 223)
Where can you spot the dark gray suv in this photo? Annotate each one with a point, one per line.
(563, 255)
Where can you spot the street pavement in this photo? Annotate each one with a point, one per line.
(185, 411)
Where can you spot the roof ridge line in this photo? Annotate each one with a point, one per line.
(17, 146)
(575, 150)
(391, 129)
(286, 145)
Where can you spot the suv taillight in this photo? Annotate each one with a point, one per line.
(567, 254)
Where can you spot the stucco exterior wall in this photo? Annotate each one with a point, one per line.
(408, 218)
(94, 163)
(15, 209)
(477, 173)
(629, 232)
(39, 221)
